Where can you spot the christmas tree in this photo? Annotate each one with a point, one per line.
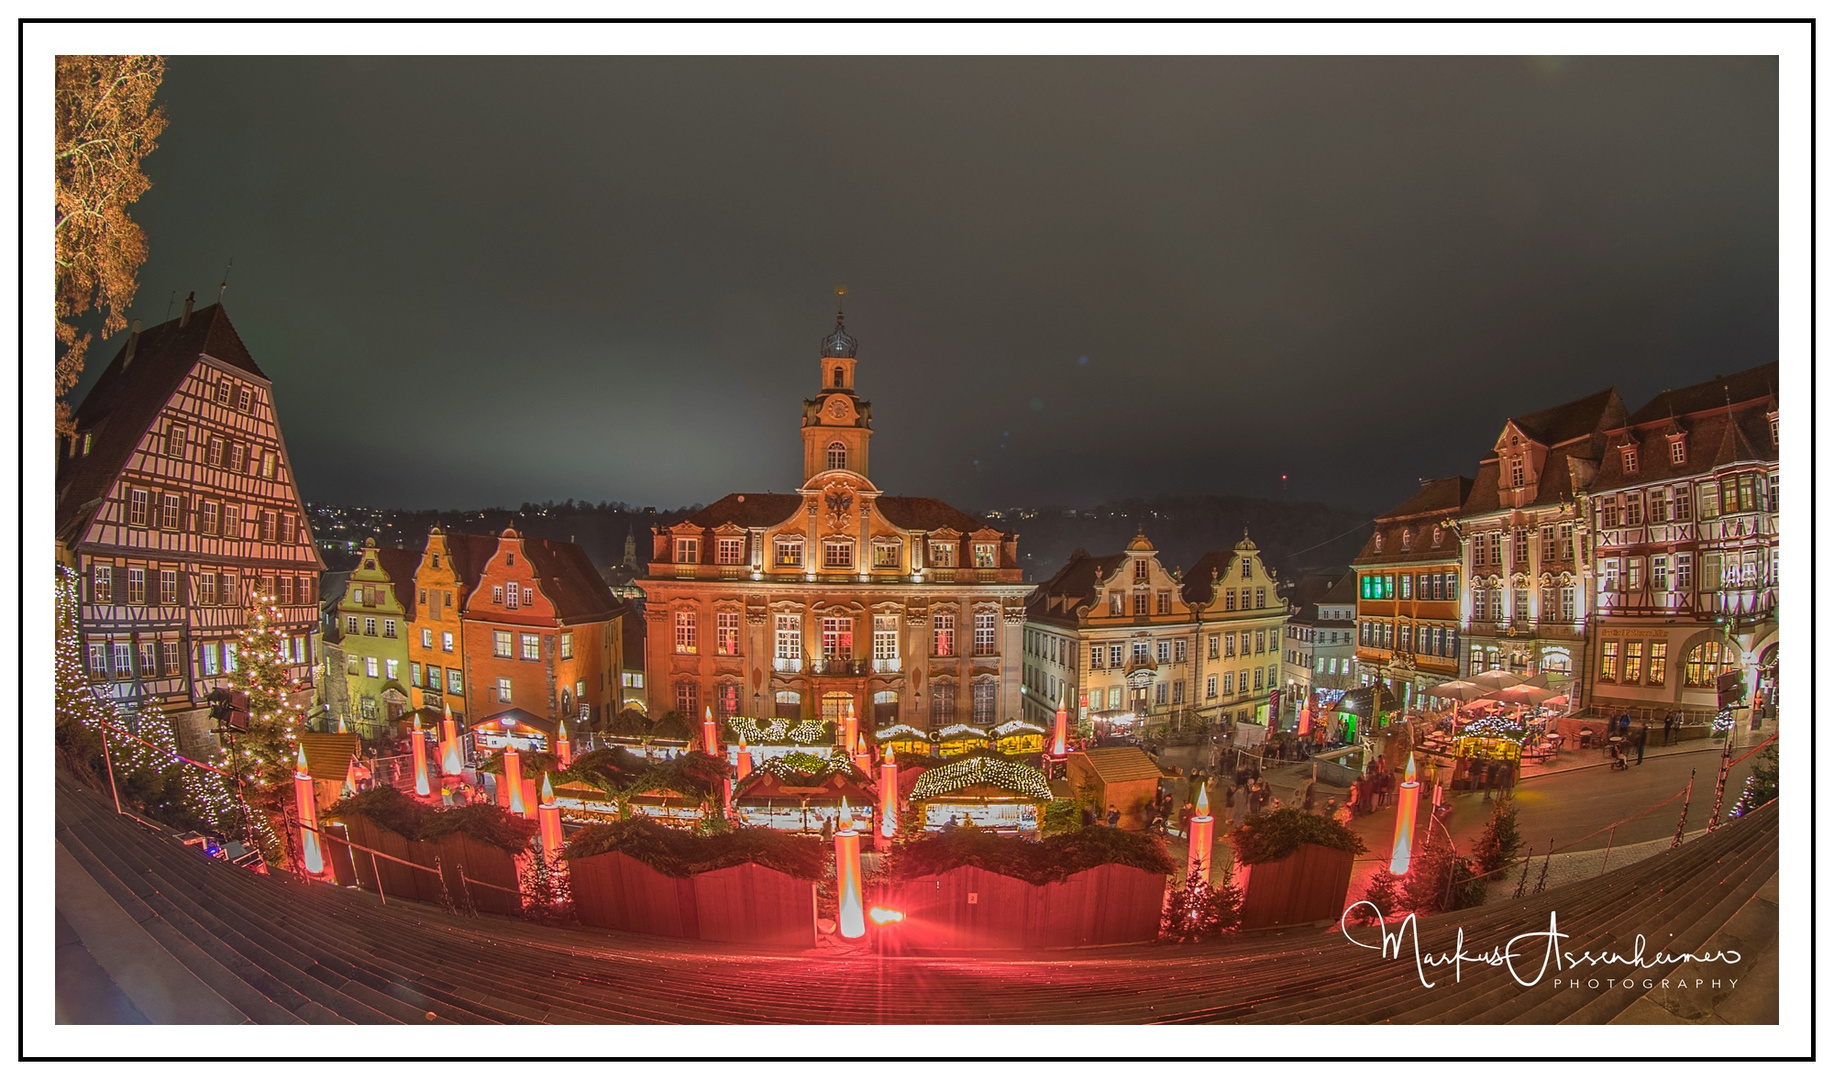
(1197, 909)
(142, 750)
(263, 757)
(1501, 840)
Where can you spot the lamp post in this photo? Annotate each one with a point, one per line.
(1405, 808)
(1203, 835)
(851, 913)
(307, 804)
(888, 801)
(421, 787)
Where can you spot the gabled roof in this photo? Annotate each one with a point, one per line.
(1445, 495)
(1752, 384)
(1436, 500)
(1573, 420)
(123, 404)
(399, 564)
(1342, 594)
(329, 755)
(1713, 440)
(926, 515)
(469, 553)
(570, 581)
(1199, 587)
(1312, 590)
(1118, 764)
(1074, 585)
(750, 509)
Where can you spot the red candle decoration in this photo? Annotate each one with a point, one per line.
(450, 763)
(888, 801)
(1406, 806)
(709, 733)
(512, 776)
(850, 730)
(307, 805)
(1203, 835)
(421, 787)
(861, 758)
(742, 768)
(549, 817)
(852, 913)
(1060, 741)
(563, 747)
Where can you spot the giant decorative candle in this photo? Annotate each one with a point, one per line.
(1305, 718)
(1203, 835)
(1060, 745)
(421, 787)
(1406, 805)
(307, 805)
(563, 747)
(888, 801)
(709, 733)
(852, 913)
(450, 761)
(742, 768)
(512, 776)
(861, 759)
(549, 816)
(850, 730)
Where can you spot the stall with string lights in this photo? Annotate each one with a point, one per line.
(987, 791)
(799, 792)
(1018, 737)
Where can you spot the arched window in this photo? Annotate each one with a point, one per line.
(1707, 662)
(840, 380)
(837, 456)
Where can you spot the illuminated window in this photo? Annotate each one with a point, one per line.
(986, 633)
(1706, 662)
(884, 637)
(455, 681)
(942, 554)
(267, 464)
(885, 554)
(1607, 661)
(505, 692)
(1095, 656)
(837, 454)
(1658, 663)
(371, 667)
(729, 550)
(789, 638)
(837, 554)
(531, 646)
(987, 556)
(1114, 654)
(1114, 604)
(687, 633)
(502, 644)
(566, 646)
(942, 637)
(1633, 661)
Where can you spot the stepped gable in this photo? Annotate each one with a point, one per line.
(123, 403)
(570, 581)
(269, 950)
(1435, 501)
(469, 553)
(1075, 585)
(748, 510)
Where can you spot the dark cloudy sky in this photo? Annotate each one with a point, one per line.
(489, 281)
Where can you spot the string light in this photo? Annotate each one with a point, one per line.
(980, 769)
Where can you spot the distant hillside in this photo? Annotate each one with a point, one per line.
(1293, 537)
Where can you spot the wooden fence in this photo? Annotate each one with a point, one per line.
(494, 885)
(751, 904)
(971, 908)
(1307, 886)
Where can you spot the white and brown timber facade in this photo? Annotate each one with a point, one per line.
(1685, 510)
(836, 595)
(175, 503)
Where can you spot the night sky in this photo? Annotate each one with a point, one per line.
(488, 281)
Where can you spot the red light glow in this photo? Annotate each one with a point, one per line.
(882, 915)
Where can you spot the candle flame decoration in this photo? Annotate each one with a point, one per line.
(1060, 740)
(549, 817)
(742, 767)
(306, 803)
(850, 913)
(450, 762)
(882, 915)
(709, 734)
(1202, 836)
(512, 776)
(888, 798)
(421, 787)
(1406, 807)
(563, 747)
(1203, 800)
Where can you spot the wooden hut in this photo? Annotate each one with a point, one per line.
(904, 740)
(796, 793)
(991, 792)
(958, 739)
(1018, 738)
(1124, 777)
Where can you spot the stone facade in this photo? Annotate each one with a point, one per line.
(837, 595)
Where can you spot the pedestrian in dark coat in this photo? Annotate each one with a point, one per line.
(1114, 817)
(1354, 800)
(1254, 800)
(1642, 739)
(1668, 728)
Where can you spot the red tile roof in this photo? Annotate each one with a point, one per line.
(1573, 420)
(926, 515)
(123, 404)
(1435, 501)
(1712, 438)
(1074, 585)
(469, 553)
(1750, 385)
(399, 564)
(569, 579)
(750, 510)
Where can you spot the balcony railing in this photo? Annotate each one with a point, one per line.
(839, 665)
(885, 667)
(790, 664)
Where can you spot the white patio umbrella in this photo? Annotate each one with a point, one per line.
(1458, 690)
(1523, 694)
(1497, 679)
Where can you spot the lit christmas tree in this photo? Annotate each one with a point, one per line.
(264, 756)
(143, 751)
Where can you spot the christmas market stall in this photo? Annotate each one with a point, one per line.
(1124, 777)
(582, 803)
(798, 792)
(958, 739)
(1480, 761)
(682, 791)
(512, 727)
(767, 739)
(1017, 738)
(334, 763)
(991, 792)
(904, 740)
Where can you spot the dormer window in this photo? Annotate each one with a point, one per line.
(1515, 472)
(837, 454)
(1677, 450)
(1407, 539)
(1378, 542)
(1630, 460)
(1439, 533)
(1140, 572)
(1774, 441)
(687, 550)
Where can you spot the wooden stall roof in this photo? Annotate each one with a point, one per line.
(1119, 764)
(329, 754)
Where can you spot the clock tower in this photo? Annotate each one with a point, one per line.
(836, 425)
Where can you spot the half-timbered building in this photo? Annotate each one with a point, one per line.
(176, 502)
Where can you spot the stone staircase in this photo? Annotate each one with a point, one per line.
(184, 938)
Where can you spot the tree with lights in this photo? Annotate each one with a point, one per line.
(142, 751)
(263, 757)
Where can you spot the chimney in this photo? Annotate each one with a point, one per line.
(133, 341)
(185, 316)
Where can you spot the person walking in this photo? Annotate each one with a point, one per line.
(1114, 817)
(1254, 799)
(1642, 740)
